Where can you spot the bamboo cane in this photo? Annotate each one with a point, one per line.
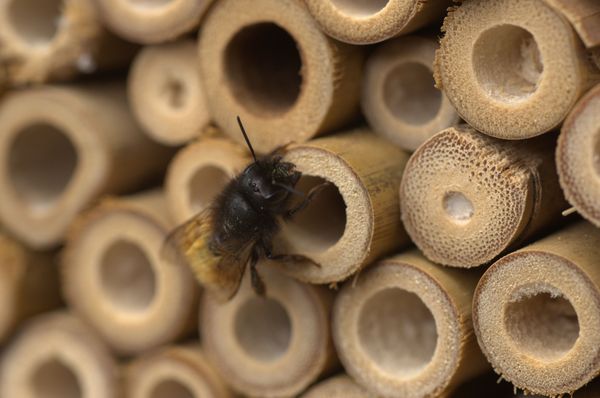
(584, 15)
(340, 386)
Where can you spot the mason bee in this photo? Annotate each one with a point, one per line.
(238, 228)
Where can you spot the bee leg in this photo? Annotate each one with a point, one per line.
(257, 283)
(290, 258)
(309, 197)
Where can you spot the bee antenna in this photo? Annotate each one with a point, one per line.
(246, 138)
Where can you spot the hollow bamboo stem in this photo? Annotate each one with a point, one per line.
(404, 328)
(57, 355)
(515, 77)
(465, 197)
(578, 156)
(268, 61)
(366, 22)
(165, 92)
(536, 312)
(398, 96)
(65, 146)
(584, 16)
(273, 346)
(341, 386)
(353, 221)
(113, 275)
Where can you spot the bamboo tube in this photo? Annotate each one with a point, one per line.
(56, 40)
(584, 15)
(114, 278)
(151, 21)
(353, 221)
(65, 146)
(273, 346)
(174, 372)
(366, 22)
(512, 76)
(57, 355)
(340, 386)
(404, 328)
(399, 98)
(267, 61)
(165, 92)
(199, 172)
(536, 312)
(596, 56)
(28, 284)
(465, 198)
(578, 156)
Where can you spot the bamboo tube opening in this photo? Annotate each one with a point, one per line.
(360, 8)
(150, 3)
(262, 65)
(35, 22)
(507, 62)
(340, 386)
(127, 277)
(171, 389)
(174, 94)
(42, 161)
(204, 186)
(54, 378)
(459, 209)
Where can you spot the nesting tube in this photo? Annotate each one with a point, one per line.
(353, 220)
(151, 21)
(57, 355)
(512, 77)
(341, 386)
(114, 277)
(584, 15)
(165, 93)
(174, 372)
(65, 146)
(273, 346)
(596, 56)
(578, 156)
(536, 312)
(466, 197)
(56, 40)
(366, 22)
(403, 329)
(399, 98)
(268, 61)
(199, 172)
(28, 284)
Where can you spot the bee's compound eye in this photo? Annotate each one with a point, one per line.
(254, 186)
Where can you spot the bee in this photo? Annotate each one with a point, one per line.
(238, 228)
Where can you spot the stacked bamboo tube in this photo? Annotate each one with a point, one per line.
(91, 302)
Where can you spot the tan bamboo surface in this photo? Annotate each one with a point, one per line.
(355, 219)
(174, 372)
(596, 56)
(199, 172)
(536, 312)
(273, 346)
(371, 21)
(399, 98)
(510, 75)
(584, 15)
(57, 355)
(578, 156)
(114, 277)
(56, 40)
(151, 21)
(63, 147)
(29, 284)
(165, 92)
(340, 386)
(465, 197)
(268, 61)
(403, 329)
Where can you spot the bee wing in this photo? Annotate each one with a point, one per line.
(180, 240)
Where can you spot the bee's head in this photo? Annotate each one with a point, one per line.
(269, 181)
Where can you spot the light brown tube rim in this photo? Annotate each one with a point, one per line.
(18, 40)
(7, 304)
(519, 367)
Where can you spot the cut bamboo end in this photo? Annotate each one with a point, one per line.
(151, 21)
(536, 312)
(28, 284)
(584, 15)
(403, 330)
(465, 197)
(340, 386)
(268, 61)
(165, 92)
(366, 22)
(114, 278)
(63, 147)
(355, 219)
(55, 40)
(199, 172)
(273, 346)
(515, 77)
(174, 372)
(399, 98)
(578, 156)
(56, 355)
